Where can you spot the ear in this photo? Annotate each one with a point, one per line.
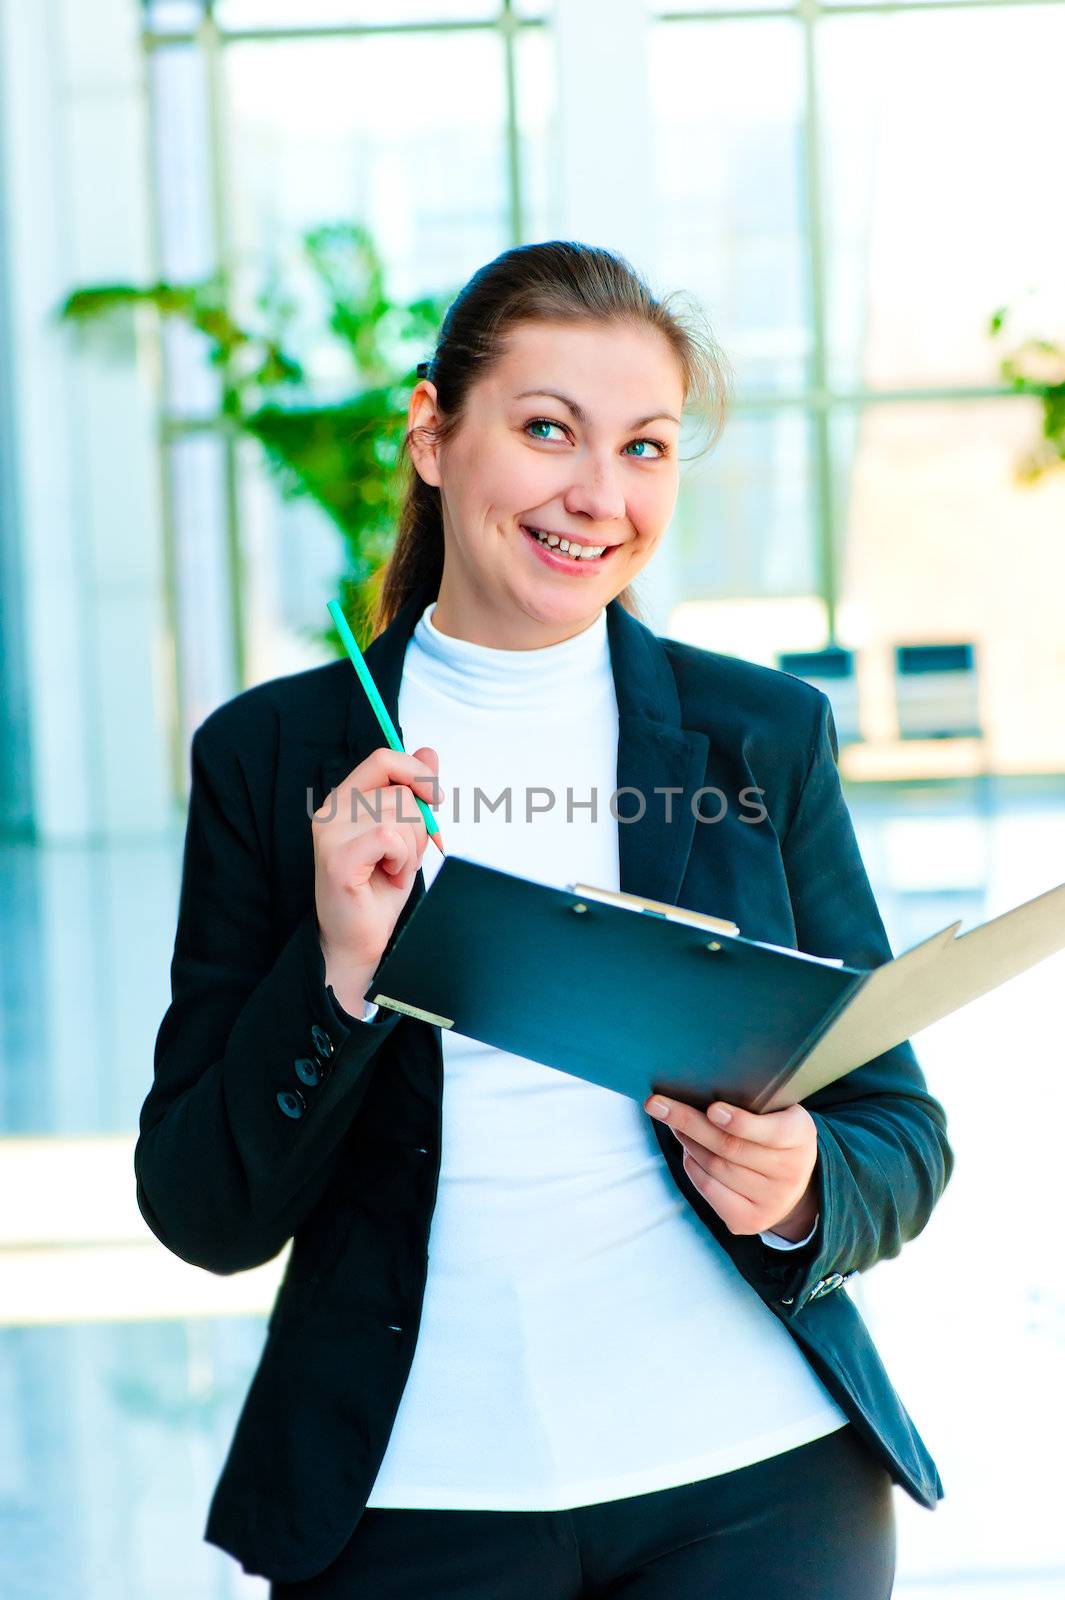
(422, 413)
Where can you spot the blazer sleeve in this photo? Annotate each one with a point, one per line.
(884, 1157)
(225, 1173)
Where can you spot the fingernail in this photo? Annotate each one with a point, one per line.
(658, 1108)
(720, 1116)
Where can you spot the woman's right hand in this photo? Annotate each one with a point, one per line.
(366, 855)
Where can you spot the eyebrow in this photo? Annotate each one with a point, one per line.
(582, 416)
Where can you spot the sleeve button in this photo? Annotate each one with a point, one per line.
(308, 1071)
(322, 1042)
(291, 1102)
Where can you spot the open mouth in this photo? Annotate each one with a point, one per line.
(572, 559)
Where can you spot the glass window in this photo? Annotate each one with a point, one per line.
(539, 155)
(743, 513)
(939, 545)
(940, 184)
(351, 129)
(204, 598)
(241, 14)
(172, 16)
(252, 148)
(185, 244)
(291, 553)
(727, 106)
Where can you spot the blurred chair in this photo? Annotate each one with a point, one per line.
(936, 692)
(832, 671)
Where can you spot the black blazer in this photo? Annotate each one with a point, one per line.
(274, 1116)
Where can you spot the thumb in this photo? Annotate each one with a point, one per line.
(431, 759)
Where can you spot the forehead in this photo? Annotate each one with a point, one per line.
(605, 366)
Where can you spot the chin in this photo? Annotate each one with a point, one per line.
(563, 610)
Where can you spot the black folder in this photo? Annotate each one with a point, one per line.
(636, 995)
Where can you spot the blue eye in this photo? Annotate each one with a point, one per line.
(545, 422)
(542, 422)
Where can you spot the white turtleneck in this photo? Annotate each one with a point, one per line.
(583, 1336)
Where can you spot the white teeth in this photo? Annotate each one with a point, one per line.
(578, 552)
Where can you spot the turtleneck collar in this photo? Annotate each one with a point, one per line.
(480, 675)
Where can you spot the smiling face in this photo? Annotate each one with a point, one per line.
(601, 470)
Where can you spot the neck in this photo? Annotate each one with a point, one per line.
(513, 630)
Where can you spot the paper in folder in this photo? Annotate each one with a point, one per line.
(637, 996)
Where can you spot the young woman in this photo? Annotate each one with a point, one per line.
(534, 1339)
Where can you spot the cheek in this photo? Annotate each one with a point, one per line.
(506, 480)
(651, 505)
(527, 479)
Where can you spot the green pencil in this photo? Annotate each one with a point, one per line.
(380, 710)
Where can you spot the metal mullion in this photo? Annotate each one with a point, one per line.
(830, 399)
(508, 25)
(177, 427)
(210, 45)
(728, 16)
(877, 8)
(175, 689)
(923, 6)
(349, 30)
(818, 414)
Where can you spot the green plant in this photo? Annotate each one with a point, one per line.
(1036, 367)
(343, 454)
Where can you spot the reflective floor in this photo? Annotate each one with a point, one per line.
(122, 1371)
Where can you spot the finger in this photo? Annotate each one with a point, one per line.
(352, 866)
(431, 759)
(391, 807)
(754, 1186)
(767, 1159)
(385, 766)
(401, 801)
(384, 846)
(779, 1130)
(702, 1127)
(404, 875)
(735, 1211)
(770, 1160)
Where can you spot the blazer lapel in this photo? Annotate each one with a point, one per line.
(654, 751)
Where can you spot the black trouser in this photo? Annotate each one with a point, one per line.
(813, 1523)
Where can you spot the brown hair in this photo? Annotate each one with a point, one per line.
(556, 281)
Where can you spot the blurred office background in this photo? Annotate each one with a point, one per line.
(850, 191)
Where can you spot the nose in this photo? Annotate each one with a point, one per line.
(595, 491)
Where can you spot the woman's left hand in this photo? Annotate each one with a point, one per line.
(755, 1168)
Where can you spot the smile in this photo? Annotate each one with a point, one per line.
(549, 549)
